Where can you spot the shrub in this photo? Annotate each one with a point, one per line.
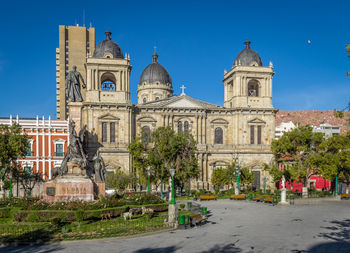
(33, 217)
(149, 215)
(142, 198)
(66, 229)
(5, 212)
(56, 221)
(79, 215)
(182, 206)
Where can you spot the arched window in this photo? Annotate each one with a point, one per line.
(186, 126)
(253, 88)
(179, 126)
(218, 136)
(108, 82)
(144, 100)
(146, 134)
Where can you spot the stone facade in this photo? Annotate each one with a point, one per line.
(242, 130)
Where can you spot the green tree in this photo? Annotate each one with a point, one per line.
(247, 176)
(218, 177)
(138, 150)
(119, 181)
(14, 144)
(176, 151)
(231, 174)
(165, 150)
(335, 152)
(28, 180)
(302, 146)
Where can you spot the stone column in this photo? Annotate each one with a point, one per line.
(75, 109)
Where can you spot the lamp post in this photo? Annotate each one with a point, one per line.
(149, 180)
(336, 186)
(265, 180)
(238, 168)
(10, 193)
(172, 174)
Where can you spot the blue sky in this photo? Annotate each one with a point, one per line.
(196, 41)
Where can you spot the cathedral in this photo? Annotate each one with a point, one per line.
(242, 130)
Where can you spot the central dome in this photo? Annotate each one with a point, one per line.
(248, 57)
(154, 73)
(106, 47)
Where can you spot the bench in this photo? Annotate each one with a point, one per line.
(345, 196)
(207, 197)
(197, 218)
(269, 200)
(259, 199)
(238, 197)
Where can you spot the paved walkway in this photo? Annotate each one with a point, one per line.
(235, 226)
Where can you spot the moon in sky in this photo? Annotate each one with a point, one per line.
(308, 41)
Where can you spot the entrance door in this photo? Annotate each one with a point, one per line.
(256, 182)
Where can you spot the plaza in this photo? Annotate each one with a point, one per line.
(234, 226)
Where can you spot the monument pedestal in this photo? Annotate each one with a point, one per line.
(69, 188)
(172, 216)
(100, 189)
(75, 113)
(75, 185)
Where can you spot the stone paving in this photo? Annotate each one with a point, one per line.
(235, 226)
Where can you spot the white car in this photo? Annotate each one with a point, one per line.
(110, 192)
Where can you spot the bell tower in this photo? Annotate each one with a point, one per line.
(248, 83)
(108, 74)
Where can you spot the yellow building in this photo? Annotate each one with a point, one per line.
(75, 45)
(242, 130)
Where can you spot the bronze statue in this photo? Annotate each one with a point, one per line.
(75, 152)
(99, 168)
(73, 93)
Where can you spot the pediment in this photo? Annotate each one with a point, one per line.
(108, 117)
(148, 119)
(256, 121)
(184, 103)
(219, 121)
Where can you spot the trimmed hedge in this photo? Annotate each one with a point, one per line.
(79, 215)
(5, 212)
(67, 216)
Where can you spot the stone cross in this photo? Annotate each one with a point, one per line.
(183, 90)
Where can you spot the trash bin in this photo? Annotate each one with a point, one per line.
(189, 205)
(204, 211)
(187, 219)
(181, 220)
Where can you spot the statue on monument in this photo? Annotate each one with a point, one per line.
(99, 168)
(73, 93)
(75, 152)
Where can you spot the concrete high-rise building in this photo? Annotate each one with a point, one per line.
(75, 44)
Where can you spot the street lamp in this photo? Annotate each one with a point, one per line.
(149, 180)
(238, 168)
(10, 193)
(172, 174)
(265, 180)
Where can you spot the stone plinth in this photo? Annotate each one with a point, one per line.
(283, 198)
(100, 189)
(172, 215)
(69, 188)
(75, 114)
